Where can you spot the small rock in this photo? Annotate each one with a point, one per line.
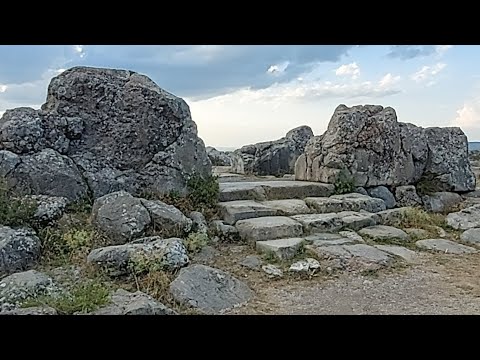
(407, 196)
(441, 233)
(226, 233)
(199, 223)
(137, 303)
(381, 192)
(252, 262)
(272, 270)
(471, 236)
(305, 265)
(208, 289)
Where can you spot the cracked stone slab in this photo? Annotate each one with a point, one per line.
(445, 246)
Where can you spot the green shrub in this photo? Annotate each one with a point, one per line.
(62, 245)
(195, 242)
(344, 183)
(15, 211)
(203, 191)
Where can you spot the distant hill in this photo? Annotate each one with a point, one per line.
(474, 145)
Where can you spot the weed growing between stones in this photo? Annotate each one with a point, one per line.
(15, 211)
(69, 243)
(85, 296)
(421, 219)
(202, 196)
(196, 242)
(344, 183)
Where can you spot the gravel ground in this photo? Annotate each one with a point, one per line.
(440, 285)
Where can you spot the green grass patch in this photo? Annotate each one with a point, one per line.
(83, 297)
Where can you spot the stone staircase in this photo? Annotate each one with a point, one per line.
(282, 216)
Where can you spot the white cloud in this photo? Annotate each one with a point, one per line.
(389, 80)
(442, 49)
(29, 94)
(299, 90)
(468, 116)
(348, 70)
(278, 69)
(3, 88)
(427, 73)
(80, 50)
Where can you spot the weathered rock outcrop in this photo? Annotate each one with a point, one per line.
(217, 157)
(100, 131)
(272, 157)
(370, 145)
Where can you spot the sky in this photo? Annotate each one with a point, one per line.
(243, 94)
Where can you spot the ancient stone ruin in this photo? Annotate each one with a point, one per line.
(368, 144)
(100, 131)
(272, 157)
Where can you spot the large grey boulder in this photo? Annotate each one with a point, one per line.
(123, 217)
(48, 173)
(272, 157)
(123, 302)
(144, 255)
(16, 288)
(209, 290)
(218, 158)
(103, 130)
(19, 249)
(368, 144)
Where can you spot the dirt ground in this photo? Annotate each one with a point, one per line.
(439, 284)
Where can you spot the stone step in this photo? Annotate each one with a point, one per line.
(334, 222)
(273, 190)
(268, 228)
(352, 257)
(283, 249)
(346, 202)
(232, 211)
